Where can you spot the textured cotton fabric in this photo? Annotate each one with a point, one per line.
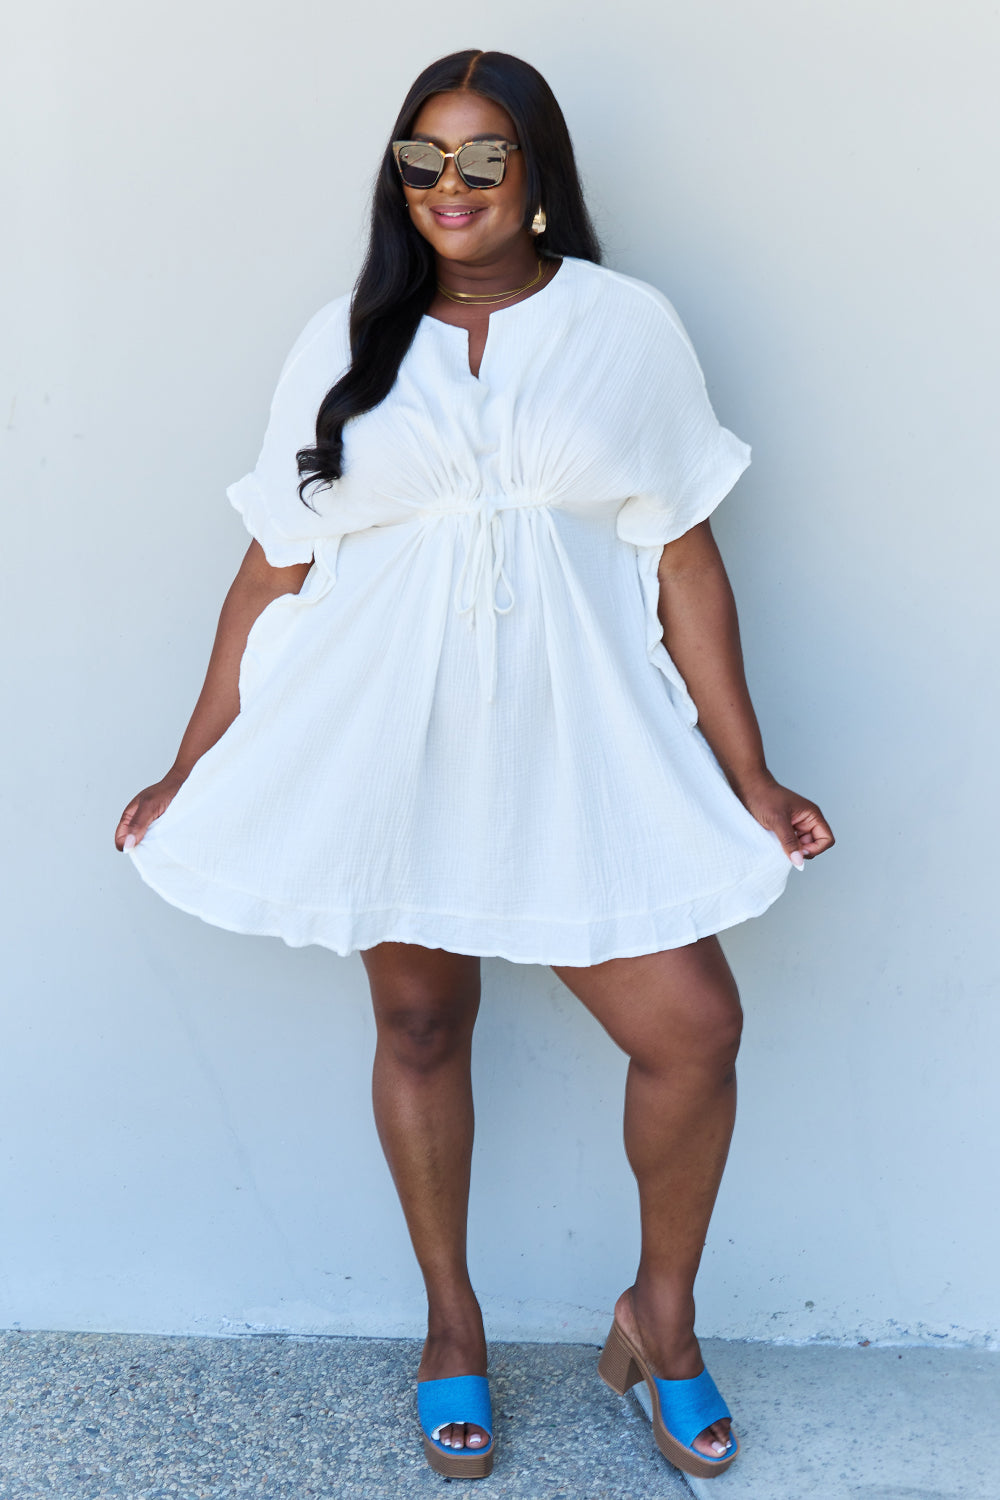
(465, 731)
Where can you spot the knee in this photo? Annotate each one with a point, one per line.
(721, 1038)
(703, 1042)
(423, 1032)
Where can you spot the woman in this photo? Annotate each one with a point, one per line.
(450, 710)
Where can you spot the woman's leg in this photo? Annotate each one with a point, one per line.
(425, 1003)
(677, 1016)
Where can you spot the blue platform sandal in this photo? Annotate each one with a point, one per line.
(681, 1408)
(462, 1398)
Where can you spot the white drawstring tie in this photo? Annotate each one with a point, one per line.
(477, 590)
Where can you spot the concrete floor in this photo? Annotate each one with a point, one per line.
(151, 1418)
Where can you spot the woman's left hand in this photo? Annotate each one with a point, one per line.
(799, 824)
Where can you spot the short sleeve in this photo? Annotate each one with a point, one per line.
(686, 460)
(268, 497)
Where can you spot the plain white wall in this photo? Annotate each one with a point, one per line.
(187, 1142)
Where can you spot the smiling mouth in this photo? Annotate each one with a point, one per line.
(456, 215)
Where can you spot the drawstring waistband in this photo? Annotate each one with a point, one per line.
(476, 593)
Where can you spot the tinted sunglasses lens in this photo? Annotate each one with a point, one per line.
(419, 165)
(481, 164)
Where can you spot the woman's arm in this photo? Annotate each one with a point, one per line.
(255, 586)
(701, 633)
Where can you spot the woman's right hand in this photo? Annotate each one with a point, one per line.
(145, 809)
(256, 585)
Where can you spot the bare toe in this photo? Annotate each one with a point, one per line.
(715, 1441)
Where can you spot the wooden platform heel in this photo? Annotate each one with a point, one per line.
(681, 1408)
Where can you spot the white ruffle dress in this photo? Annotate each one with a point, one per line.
(465, 730)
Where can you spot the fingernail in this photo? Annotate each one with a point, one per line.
(129, 842)
(798, 860)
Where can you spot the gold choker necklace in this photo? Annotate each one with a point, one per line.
(480, 297)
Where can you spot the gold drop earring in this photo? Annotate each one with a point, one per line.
(539, 222)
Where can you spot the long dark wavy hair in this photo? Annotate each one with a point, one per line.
(397, 281)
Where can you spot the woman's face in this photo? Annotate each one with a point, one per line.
(473, 225)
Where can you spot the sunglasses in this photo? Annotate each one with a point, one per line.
(480, 164)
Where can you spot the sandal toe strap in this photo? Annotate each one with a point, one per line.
(461, 1398)
(687, 1407)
